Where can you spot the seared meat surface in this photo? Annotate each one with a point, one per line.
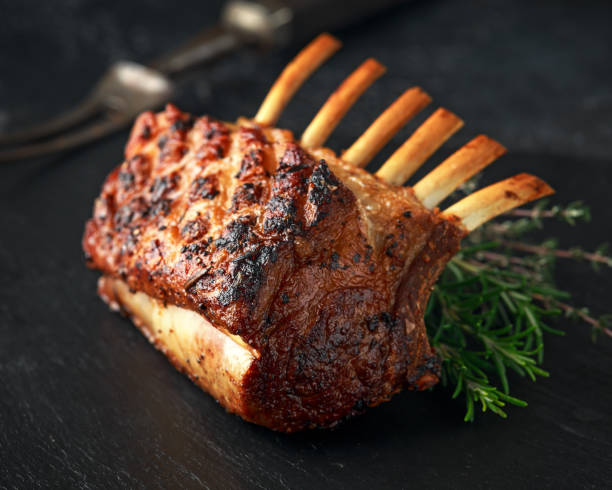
(319, 269)
(284, 280)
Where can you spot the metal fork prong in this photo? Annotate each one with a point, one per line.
(81, 113)
(64, 142)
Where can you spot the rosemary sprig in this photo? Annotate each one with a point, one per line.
(490, 310)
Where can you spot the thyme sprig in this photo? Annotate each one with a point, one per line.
(492, 306)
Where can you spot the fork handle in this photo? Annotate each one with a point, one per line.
(282, 21)
(205, 47)
(268, 23)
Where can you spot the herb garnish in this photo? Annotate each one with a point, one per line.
(491, 307)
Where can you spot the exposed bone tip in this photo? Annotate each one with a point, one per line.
(466, 162)
(444, 113)
(418, 90)
(483, 139)
(485, 204)
(432, 134)
(402, 110)
(294, 75)
(374, 65)
(340, 101)
(326, 37)
(539, 188)
(325, 42)
(414, 96)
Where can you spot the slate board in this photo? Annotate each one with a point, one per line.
(86, 402)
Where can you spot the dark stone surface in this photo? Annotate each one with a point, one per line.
(86, 402)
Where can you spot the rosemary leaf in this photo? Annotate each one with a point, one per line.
(485, 317)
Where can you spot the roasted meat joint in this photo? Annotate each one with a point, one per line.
(283, 279)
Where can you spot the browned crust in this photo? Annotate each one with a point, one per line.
(413, 296)
(311, 266)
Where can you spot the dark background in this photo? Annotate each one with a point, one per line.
(86, 402)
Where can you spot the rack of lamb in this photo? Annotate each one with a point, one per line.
(285, 280)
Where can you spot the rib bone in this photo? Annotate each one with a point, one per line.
(406, 160)
(292, 77)
(485, 204)
(456, 169)
(408, 105)
(340, 102)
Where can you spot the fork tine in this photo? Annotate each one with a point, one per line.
(64, 142)
(83, 111)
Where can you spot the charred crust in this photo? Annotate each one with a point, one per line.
(323, 183)
(294, 169)
(253, 134)
(251, 164)
(210, 151)
(294, 158)
(193, 280)
(333, 262)
(161, 207)
(162, 186)
(389, 250)
(196, 248)
(132, 211)
(172, 144)
(211, 129)
(372, 323)
(133, 173)
(144, 128)
(129, 244)
(204, 188)
(427, 373)
(194, 229)
(178, 126)
(181, 125)
(246, 275)
(383, 319)
(126, 179)
(236, 234)
(355, 341)
(388, 320)
(280, 215)
(215, 135)
(172, 151)
(246, 195)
